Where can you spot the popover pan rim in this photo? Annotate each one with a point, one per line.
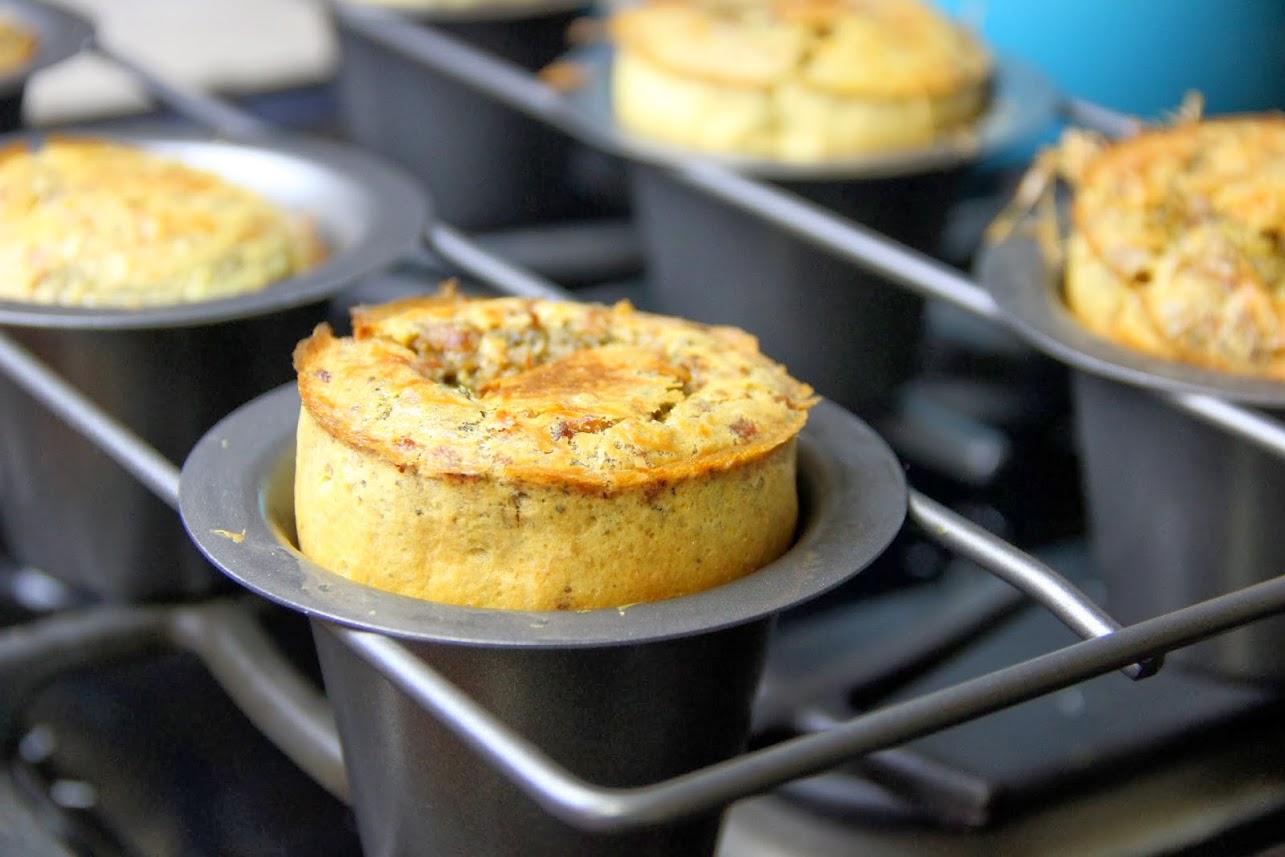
(1027, 289)
(60, 34)
(1023, 100)
(484, 13)
(398, 210)
(854, 483)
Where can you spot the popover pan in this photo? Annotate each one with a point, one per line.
(170, 372)
(621, 696)
(486, 165)
(59, 35)
(1179, 511)
(851, 334)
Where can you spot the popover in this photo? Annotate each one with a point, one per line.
(527, 454)
(94, 222)
(796, 80)
(1175, 244)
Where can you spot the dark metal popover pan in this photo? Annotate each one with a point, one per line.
(238, 505)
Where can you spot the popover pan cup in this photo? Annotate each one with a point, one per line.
(59, 35)
(486, 165)
(622, 697)
(851, 334)
(170, 372)
(1178, 511)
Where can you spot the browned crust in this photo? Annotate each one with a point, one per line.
(537, 441)
(1183, 243)
(758, 45)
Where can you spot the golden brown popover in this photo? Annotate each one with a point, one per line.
(1176, 241)
(797, 80)
(92, 222)
(537, 455)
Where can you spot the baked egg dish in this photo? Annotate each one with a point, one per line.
(537, 455)
(97, 223)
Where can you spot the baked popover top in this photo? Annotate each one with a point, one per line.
(581, 394)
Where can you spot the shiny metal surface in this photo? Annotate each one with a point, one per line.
(1021, 570)
(616, 716)
(1179, 512)
(238, 480)
(1022, 102)
(168, 373)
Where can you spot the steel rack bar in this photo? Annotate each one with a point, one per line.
(513, 86)
(214, 113)
(49, 388)
(612, 809)
(471, 258)
(1110, 122)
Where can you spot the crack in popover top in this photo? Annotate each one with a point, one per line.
(583, 394)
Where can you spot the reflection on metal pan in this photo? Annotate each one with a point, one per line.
(367, 213)
(60, 34)
(1027, 288)
(236, 499)
(1023, 101)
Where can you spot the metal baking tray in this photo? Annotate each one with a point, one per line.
(170, 372)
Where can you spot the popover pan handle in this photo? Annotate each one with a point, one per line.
(1044, 585)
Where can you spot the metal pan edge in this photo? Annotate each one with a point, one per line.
(1026, 288)
(60, 34)
(479, 13)
(390, 216)
(1023, 101)
(235, 490)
